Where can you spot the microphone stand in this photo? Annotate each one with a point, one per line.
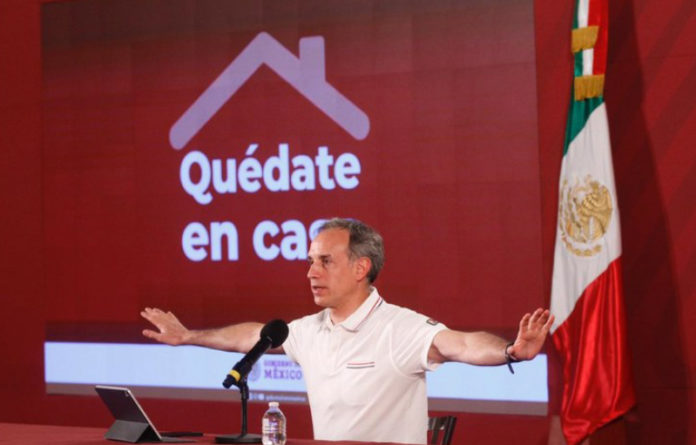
(242, 437)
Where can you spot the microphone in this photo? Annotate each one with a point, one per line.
(273, 334)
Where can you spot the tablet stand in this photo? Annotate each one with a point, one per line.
(131, 431)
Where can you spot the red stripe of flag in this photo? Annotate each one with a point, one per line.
(597, 366)
(599, 16)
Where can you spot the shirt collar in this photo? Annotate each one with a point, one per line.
(361, 314)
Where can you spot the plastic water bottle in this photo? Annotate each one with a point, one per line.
(273, 426)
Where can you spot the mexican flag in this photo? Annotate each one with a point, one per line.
(586, 293)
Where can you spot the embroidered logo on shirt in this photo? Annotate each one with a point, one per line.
(431, 321)
(360, 365)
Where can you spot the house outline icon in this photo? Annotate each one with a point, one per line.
(306, 74)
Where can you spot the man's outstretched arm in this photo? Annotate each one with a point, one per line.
(238, 338)
(483, 348)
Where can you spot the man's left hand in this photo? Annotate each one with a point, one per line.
(530, 338)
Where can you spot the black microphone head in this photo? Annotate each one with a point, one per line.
(276, 331)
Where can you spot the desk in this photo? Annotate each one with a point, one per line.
(25, 434)
(18, 433)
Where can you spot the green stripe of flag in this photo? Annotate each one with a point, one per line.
(575, 14)
(578, 63)
(580, 111)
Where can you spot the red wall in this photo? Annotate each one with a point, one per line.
(654, 124)
(650, 97)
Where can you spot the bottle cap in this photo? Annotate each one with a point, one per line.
(273, 404)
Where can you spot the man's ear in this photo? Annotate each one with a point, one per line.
(362, 268)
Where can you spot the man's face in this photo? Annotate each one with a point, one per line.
(333, 276)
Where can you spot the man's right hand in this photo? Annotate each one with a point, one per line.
(169, 328)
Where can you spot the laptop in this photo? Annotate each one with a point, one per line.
(131, 424)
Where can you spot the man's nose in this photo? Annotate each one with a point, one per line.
(312, 271)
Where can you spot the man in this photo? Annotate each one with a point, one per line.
(363, 359)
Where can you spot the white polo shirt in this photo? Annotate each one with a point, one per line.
(366, 376)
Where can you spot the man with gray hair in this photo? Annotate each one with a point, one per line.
(363, 241)
(363, 359)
